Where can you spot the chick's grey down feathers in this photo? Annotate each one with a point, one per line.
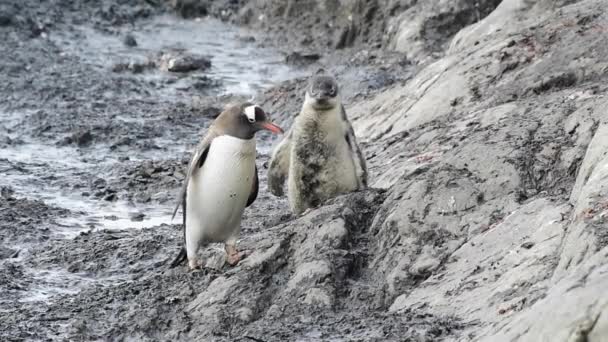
(312, 157)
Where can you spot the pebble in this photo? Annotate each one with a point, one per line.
(298, 58)
(137, 217)
(184, 62)
(129, 40)
(6, 17)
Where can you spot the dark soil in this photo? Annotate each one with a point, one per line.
(485, 210)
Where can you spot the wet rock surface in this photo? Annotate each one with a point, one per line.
(484, 128)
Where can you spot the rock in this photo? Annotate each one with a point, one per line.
(110, 197)
(309, 272)
(99, 183)
(6, 15)
(216, 293)
(582, 288)
(129, 40)
(6, 253)
(134, 66)
(204, 83)
(247, 39)
(346, 35)
(183, 62)
(81, 139)
(427, 28)
(485, 219)
(6, 192)
(36, 28)
(189, 8)
(137, 217)
(244, 314)
(318, 298)
(301, 59)
(380, 79)
(587, 234)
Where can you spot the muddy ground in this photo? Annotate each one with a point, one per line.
(484, 128)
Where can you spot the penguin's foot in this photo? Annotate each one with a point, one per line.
(234, 256)
(195, 264)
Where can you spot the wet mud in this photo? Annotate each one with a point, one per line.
(485, 151)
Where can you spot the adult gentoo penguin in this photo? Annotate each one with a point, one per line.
(320, 156)
(222, 180)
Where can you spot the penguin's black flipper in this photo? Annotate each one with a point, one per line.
(358, 157)
(254, 190)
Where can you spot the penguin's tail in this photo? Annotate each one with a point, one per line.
(181, 257)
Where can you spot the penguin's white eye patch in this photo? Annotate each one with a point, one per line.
(250, 113)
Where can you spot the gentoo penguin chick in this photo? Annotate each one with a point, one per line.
(222, 180)
(320, 156)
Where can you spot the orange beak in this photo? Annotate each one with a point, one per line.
(269, 126)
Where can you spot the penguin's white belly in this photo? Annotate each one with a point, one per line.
(219, 190)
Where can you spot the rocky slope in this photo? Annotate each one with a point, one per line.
(484, 127)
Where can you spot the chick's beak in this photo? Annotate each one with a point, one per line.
(269, 126)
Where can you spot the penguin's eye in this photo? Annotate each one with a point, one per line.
(252, 120)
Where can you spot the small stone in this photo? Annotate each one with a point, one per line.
(244, 314)
(134, 66)
(189, 8)
(6, 16)
(346, 36)
(137, 217)
(527, 245)
(99, 183)
(6, 192)
(302, 59)
(184, 62)
(204, 82)
(83, 138)
(247, 39)
(110, 197)
(6, 252)
(129, 40)
(318, 297)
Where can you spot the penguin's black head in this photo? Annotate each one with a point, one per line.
(244, 120)
(322, 92)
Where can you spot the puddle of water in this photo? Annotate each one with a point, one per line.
(66, 283)
(114, 215)
(38, 159)
(242, 67)
(52, 282)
